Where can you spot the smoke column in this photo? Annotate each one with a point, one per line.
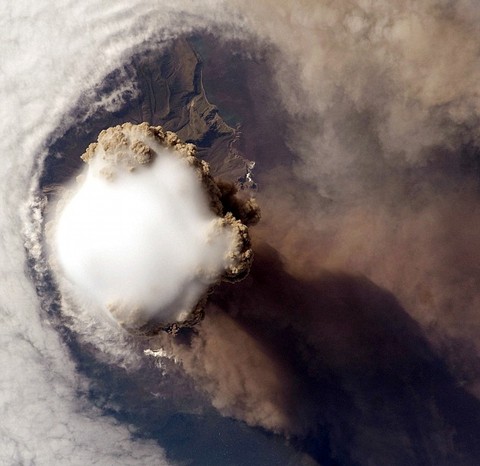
(146, 235)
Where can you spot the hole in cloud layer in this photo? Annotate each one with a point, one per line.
(363, 122)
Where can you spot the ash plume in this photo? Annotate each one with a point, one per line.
(148, 231)
(379, 173)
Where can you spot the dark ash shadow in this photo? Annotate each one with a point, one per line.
(369, 389)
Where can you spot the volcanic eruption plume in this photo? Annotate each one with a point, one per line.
(148, 231)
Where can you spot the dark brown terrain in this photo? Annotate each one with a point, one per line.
(170, 93)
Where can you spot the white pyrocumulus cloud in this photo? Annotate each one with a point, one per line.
(139, 236)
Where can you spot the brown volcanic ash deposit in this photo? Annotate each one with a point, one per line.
(147, 231)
